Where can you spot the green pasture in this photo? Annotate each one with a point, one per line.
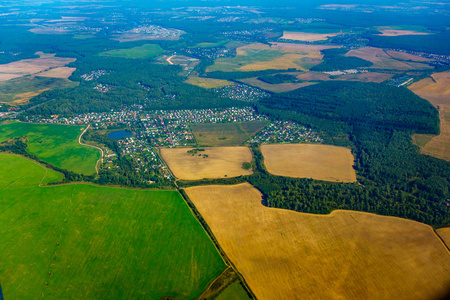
(15, 89)
(55, 144)
(143, 52)
(226, 134)
(234, 291)
(230, 64)
(81, 241)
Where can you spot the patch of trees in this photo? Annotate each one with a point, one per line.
(279, 78)
(334, 60)
(365, 104)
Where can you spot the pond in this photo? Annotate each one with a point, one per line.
(117, 135)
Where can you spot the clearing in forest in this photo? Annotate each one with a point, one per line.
(208, 83)
(306, 36)
(321, 162)
(82, 241)
(55, 144)
(381, 60)
(362, 77)
(402, 30)
(143, 52)
(436, 89)
(278, 56)
(345, 255)
(218, 162)
(226, 134)
(276, 88)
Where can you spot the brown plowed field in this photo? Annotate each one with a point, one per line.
(345, 255)
(221, 162)
(322, 162)
(437, 91)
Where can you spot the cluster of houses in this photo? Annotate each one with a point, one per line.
(94, 75)
(242, 92)
(285, 132)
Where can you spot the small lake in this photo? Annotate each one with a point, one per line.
(117, 135)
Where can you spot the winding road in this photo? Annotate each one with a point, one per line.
(101, 150)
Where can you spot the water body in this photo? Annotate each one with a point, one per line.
(117, 135)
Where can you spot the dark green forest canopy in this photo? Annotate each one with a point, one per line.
(360, 103)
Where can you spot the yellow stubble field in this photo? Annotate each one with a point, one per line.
(317, 161)
(436, 89)
(345, 255)
(220, 162)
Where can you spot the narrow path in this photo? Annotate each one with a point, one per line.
(169, 61)
(101, 150)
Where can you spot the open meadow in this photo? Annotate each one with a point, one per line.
(281, 56)
(142, 52)
(226, 134)
(276, 88)
(321, 162)
(436, 89)
(217, 162)
(82, 241)
(382, 60)
(345, 255)
(306, 36)
(55, 144)
(208, 83)
(402, 30)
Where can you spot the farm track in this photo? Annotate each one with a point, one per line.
(83, 144)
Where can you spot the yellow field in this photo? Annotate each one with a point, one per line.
(305, 36)
(208, 83)
(276, 88)
(381, 60)
(406, 56)
(32, 66)
(363, 77)
(62, 72)
(437, 91)
(258, 57)
(393, 32)
(221, 162)
(345, 255)
(444, 233)
(321, 162)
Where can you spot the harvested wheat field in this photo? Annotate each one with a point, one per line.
(345, 255)
(393, 32)
(444, 233)
(436, 89)
(32, 66)
(306, 36)
(321, 162)
(362, 77)
(276, 88)
(214, 162)
(406, 56)
(62, 72)
(208, 83)
(381, 60)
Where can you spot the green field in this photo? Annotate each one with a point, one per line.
(143, 52)
(81, 241)
(55, 144)
(226, 134)
(24, 88)
(234, 291)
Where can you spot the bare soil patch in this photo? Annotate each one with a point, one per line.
(436, 89)
(321, 162)
(62, 72)
(345, 255)
(306, 36)
(220, 162)
(393, 32)
(381, 60)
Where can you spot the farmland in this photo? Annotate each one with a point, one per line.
(276, 88)
(402, 30)
(281, 56)
(444, 233)
(306, 36)
(226, 134)
(436, 89)
(321, 162)
(344, 255)
(61, 72)
(363, 77)
(55, 144)
(208, 83)
(85, 242)
(219, 162)
(142, 52)
(381, 60)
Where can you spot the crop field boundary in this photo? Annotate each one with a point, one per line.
(205, 226)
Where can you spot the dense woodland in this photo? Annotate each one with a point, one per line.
(334, 60)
